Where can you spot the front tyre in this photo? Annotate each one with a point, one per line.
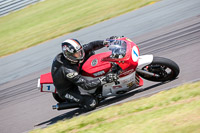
(165, 68)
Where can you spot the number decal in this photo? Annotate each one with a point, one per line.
(135, 53)
(48, 87)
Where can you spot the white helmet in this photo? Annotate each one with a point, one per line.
(73, 50)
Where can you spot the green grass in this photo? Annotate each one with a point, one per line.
(172, 111)
(52, 18)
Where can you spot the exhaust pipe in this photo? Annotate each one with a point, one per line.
(61, 106)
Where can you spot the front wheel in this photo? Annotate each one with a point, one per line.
(165, 68)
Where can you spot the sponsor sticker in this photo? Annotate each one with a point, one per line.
(117, 87)
(127, 72)
(94, 62)
(71, 75)
(68, 96)
(99, 73)
(130, 84)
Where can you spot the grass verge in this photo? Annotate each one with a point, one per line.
(172, 111)
(52, 18)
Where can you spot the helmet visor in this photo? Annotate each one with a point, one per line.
(75, 57)
(79, 54)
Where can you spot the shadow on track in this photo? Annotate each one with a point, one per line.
(67, 115)
(105, 103)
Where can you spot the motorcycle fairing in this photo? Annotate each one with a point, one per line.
(127, 83)
(46, 83)
(129, 62)
(145, 60)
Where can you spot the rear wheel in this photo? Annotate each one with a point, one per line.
(165, 68)
(58, 98)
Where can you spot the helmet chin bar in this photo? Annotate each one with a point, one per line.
(73, 61)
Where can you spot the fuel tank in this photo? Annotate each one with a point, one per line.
(95, 66)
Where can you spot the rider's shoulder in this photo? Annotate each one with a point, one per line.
(59, 58)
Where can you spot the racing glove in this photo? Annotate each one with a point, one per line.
(109, 78)
(114, 37)
(107, 41)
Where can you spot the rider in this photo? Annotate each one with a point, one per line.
(66, 69)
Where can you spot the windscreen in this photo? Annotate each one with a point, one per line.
(118, 49)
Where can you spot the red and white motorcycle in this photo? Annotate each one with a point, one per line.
(124, 59)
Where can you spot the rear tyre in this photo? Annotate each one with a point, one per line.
(165, 68)
(58, 98)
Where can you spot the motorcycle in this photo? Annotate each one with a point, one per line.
(123, 58)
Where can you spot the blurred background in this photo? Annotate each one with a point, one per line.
(31, 32)
(7, 6)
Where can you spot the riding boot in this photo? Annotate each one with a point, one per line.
(89, 103)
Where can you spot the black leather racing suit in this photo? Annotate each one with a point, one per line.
(66, 76)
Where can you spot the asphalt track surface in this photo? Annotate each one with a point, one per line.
(168, 28)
